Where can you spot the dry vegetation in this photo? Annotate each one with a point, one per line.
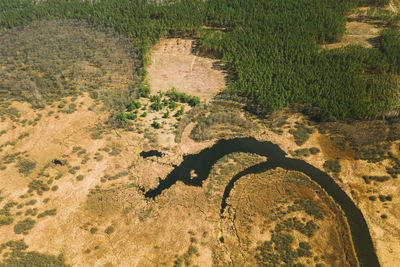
(77, 186)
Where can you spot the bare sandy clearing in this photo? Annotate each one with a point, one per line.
(174, 63)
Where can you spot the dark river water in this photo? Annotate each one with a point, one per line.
(202, 163)
(151, 153)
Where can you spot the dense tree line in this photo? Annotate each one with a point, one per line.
(273, 46)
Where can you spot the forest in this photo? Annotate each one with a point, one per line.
(273, 46)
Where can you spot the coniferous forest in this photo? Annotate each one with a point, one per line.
(273, 46)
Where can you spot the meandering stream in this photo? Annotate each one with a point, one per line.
(203, 162)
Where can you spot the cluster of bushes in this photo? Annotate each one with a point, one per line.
(332, 166)
(26, 166)
(293, 223)
(368, 178)
(373, 152)
(23, 227)
(18, 256)
(301, 133)
(310, 207)
(158, 103)
(51, 212)
(305, 152)
(113, 177)
(39, 186)
(394, 171)
(176, 96)
(279, 251)
(109, 230)
(383, 198)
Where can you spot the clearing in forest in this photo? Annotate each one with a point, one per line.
(364, 25)
(175, 63)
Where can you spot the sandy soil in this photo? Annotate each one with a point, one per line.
(174, 63)
(362, 28)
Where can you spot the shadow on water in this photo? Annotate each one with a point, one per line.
(202, 163)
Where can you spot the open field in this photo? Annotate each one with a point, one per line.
(175, 63)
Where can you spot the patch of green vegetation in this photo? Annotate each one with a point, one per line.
(383, 198)
(38, 186)
(23, 227)
(305, 152)
(51, 212)
(74, 169)
(176, 96)
(54, 188)
(310, 207)
(114, 177)
(31, 212)
(109, 230)
(6, 220)
(180, 112)
(394, 171)
(23, 135)
(31, 202)
(26, 166)
(144, 91)
(156, 125)
(134, 105)
(368, 178)
(279, 251)
(332, 166)
(301, 133)
(18, 256)
(98, 156)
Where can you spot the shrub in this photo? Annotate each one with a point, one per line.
(31, 202)
(51, 212)
(26, 166)
(122, 117)
(38, 186)
(156, 125)
(22, 227)
(133, 105)
(144, 91)
(131, 116)
(180, 112)
(332, 166)
(174, 95)
(6, 220)
(109, 230)
(368, 178)
(301, 134)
